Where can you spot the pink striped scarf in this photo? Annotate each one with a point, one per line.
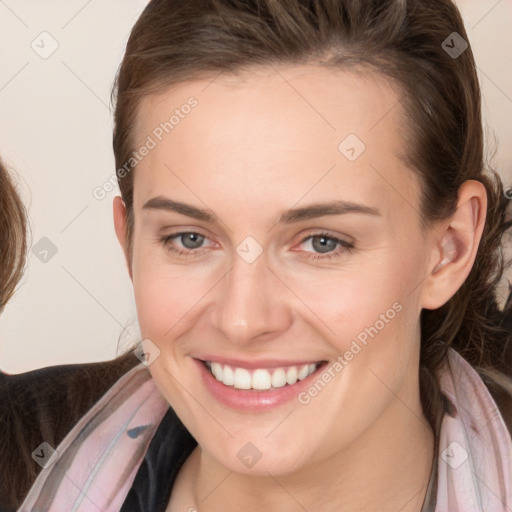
(95, 465)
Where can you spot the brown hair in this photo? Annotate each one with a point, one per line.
(175, 41)
(44, 405)
(13, 240)
(26, 398)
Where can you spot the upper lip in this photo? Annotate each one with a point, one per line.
(261, 363)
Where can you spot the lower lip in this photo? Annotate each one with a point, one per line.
(250, 399)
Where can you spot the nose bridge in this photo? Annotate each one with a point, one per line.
(247, 305)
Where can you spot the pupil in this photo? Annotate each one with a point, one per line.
(325, 245)
(192, 240)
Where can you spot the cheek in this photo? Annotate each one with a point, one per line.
(355, 296)
(381, 314)
(376, 346)
(167, 296)
(158, 296)
(161, 300)
(369, 314)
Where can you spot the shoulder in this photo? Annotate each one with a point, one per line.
(42, 406)
(57, 394)
(79, 383)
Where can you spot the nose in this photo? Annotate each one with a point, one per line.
(251, 303)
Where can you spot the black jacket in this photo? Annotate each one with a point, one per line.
(45, 404)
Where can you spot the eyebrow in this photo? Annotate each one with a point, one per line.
(287, 217)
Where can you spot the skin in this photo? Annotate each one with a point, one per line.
(256, 145)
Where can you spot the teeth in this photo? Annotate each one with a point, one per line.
(291, 375)
(242, 379)
(228, 377)
(260, 379)
(303, 372)
(279, 378)
(217, 371)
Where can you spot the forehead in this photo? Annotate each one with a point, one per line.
(324, 100)
(283, 128)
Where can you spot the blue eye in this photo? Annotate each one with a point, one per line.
(326, 245)
(190, 240)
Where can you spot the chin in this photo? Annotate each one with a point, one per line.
(258, 458)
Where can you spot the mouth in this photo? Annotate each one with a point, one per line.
(253, 386)
(261, 379)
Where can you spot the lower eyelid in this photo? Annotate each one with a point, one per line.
(339, 241)
(342, 245)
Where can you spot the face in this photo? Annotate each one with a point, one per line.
(277, 243)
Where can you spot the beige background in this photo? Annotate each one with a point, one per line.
(55, 131)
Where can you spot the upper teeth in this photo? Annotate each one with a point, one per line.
(260, 378)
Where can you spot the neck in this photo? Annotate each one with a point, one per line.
(387, 469)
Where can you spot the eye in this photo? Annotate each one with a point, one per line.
(327, 246)
(189, 240)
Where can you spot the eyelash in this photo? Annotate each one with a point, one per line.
(345, 246)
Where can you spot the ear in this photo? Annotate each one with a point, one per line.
(455, 246)
(119, 209)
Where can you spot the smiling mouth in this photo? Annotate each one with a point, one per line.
(260, 379)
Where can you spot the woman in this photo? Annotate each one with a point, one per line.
(28, 415)
(13, 240)
(315, 246)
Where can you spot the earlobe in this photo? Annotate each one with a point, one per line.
(119, 211)
(457, 245)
